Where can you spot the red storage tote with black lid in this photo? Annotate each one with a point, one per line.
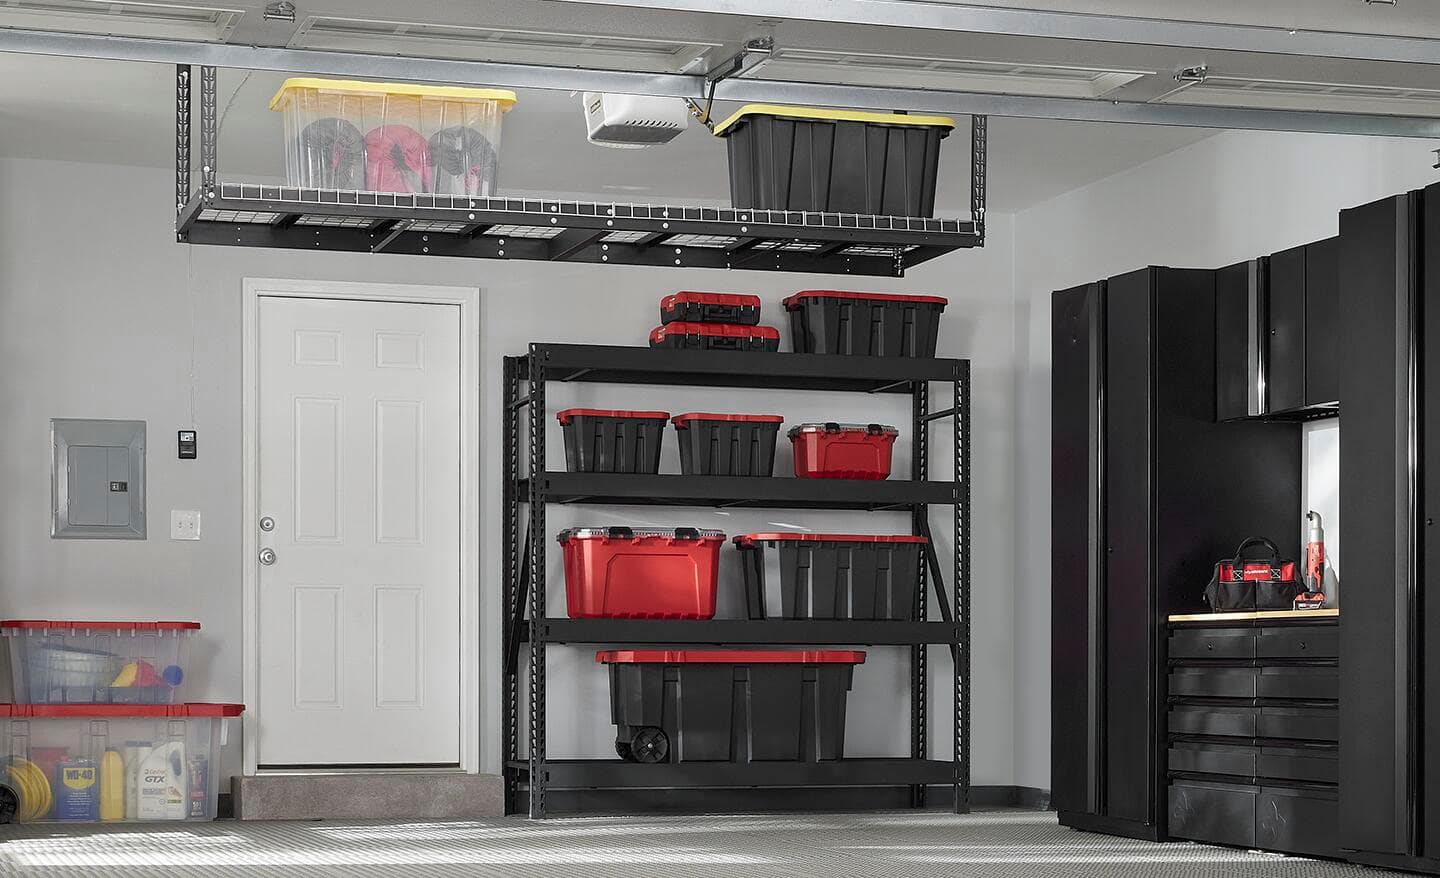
(693, 307)
(727, 445)
(611, 441)
(641, 573)
(715, 337)
(111, 763)
(831, 576)
(843, 451)
(865, 324)
(729, 705)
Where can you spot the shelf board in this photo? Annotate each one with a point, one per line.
(743, 632)
(766, 492)
(255, 215)
(614, 774)
(621, 364)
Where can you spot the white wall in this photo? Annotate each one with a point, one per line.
(1225, 199)
(103, 315)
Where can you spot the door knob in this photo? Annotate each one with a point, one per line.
(267, 556)
(267, 524)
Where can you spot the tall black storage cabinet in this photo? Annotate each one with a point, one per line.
(1390, 503)
(1149, 491)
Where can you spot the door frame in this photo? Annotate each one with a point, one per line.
(468, 300)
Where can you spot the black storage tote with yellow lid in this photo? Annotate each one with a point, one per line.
(833, 161)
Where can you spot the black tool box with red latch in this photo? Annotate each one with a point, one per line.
(716, 337)
(693, 307)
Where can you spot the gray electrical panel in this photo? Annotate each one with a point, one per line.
(97, 479)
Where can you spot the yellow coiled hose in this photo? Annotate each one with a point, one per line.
(33, 789)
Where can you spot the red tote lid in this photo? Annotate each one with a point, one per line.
(109, 626)
(689, 297)
(728, 656)
(119, 711)
(793, 302)
(565, 416)
(680, 421)
(751, 539)
(730, 330)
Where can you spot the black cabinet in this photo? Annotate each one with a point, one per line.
(1144, 502)
(1389, 502)
(1253, 758)
(1277, 335)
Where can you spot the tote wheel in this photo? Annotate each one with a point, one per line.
(623, 749)
(649, 744)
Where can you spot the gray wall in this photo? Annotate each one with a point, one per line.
(103, 315)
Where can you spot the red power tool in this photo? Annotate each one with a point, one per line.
(1314, 596)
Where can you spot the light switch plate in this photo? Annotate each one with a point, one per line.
(184, 524)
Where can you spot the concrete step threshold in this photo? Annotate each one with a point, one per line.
(369, 795)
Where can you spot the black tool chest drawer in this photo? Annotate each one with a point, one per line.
(1301, 642)
(1253, 725)
(1213, 643)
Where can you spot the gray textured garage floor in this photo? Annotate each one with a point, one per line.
(1008, 843)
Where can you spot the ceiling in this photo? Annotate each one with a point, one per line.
(916, 44)
(123, 113)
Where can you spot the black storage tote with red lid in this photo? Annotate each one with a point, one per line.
(611, 441)
(692, 307)
(729, 705)
(832, 576)
(716, 337)
(727, 445)
(865, 324)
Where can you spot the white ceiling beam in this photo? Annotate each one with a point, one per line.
(391, 67)
(1064, 26)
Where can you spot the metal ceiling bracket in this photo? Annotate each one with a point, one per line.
(978, 160)
(747, 59)
(209, 146)
(182, 137)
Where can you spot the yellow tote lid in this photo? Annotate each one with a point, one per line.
(821, 113)
(506, 99)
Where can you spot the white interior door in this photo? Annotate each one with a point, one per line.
(359, 609)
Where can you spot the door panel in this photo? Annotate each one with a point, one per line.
(1232, 342)
(1429, 583)
(1374, 504)
(1285, 365)
(1322, 322)
(359, 615)
(1129, 562)
(1075, 413)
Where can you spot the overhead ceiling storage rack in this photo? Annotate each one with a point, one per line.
(538, 229)
(528, 629)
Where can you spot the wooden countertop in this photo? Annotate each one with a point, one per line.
(1256, 616)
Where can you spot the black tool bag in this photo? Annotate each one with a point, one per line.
(1260, 580)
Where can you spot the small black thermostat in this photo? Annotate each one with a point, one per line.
(187, 444)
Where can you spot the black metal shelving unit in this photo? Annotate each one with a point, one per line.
(529, 630)
(242, 214)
